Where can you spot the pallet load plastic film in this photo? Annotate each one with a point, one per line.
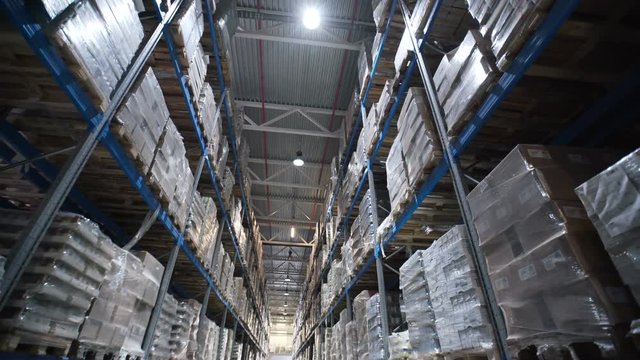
(328, 341)
(415, 149)
(202, 227)
(374, 322)
(184, 332)
(162, 347)
(417, 22)
(417, 307)
(336, 278)
(336, 341)
(508, 24)
(209, 120)
(463, 79)
(364, 66)
(351, 335)
(367, 229)
(48, 305)
(360, 319)
(380, 12)
(140, 121)
(399, 346)
(612, 200)
(461, 318)
(100, 38)
(208, 333)
(120, 314)
(187, 27)
(545, 260)
(228, 181)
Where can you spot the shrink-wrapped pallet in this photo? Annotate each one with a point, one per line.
(417, 307)
(352, 340)
(461, 318)
(208, 334)
(209, 120)
(380, 12)
(399, 346)
(140, 121)
(184, 331)
(228, 181)
(100, 39)
(463, 80)
(415, 150)
(544, 257)
(508, 24)
(417, 22)
(360, 318)
(120, 314)
(48, 305)
(612, 200)
(162, 346)
(187, 27)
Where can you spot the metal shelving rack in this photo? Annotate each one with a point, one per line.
(555, 18)
(98, 131)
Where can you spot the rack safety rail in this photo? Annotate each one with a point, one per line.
(556, 17)
(98, 131)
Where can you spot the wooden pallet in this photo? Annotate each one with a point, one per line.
(32, 343)
(101, 353)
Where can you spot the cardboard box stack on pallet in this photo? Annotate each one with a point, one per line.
(48, 306)
(544, 257)
(162, 347)
(612, 199)
(414, 152)
(208, 334)
(374, 322)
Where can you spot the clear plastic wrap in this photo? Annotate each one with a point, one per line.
(208, 334)
(612, 200)
(101, 37)
(374, 329)
(163, 347)
(119, 315)
(187, 27)
(545, 260)
(380, 11)
(55, 7)
(461, 318)
(360, 318)
(227, 184)
(463, 78)
(185, 330)
(141, 120)
(47, 307)
(209, 120)
(399, 346)
(352, 340)
(417, 307)
(364, 66)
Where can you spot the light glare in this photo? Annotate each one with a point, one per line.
(311, 18)
(293, 232)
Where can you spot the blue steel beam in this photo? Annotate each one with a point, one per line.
(47, 54)
(12, 137)
(234, 151)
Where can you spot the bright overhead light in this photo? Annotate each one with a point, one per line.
(286, 293)
(311, 18)
(293, 232)
(285, 304)
(287, 278)
(298, 160)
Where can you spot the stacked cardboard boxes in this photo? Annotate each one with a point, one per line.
(360, 318)
(461, 318)
(417, 307)
(415, 150)
(120, 314)
(48, 306)
(208, 334)
(544, 257)
(612, 200)
(184, 331)
(463, 79)
(399, 346)
(374, 322)
(162, 346)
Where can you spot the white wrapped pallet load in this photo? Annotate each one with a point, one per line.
(543, 255)
(100, 37)
(399, 346)
(187, 27)
(461, 318)
(184, 330)
(162, 347)
(417, 307)
(352, 341)
(48, 306)
(612, 200)
(360, 318)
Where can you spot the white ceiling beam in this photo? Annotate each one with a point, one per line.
(287, 184)
(284, 107)
(326, 134)
(295, 222)
(291, 40)
(287, 163)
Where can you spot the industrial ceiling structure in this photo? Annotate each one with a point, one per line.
(292, 86)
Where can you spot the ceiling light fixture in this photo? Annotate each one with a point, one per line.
(298, 160)
(311, 18)
(293, 232)
(287, 279)
(285, 304)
